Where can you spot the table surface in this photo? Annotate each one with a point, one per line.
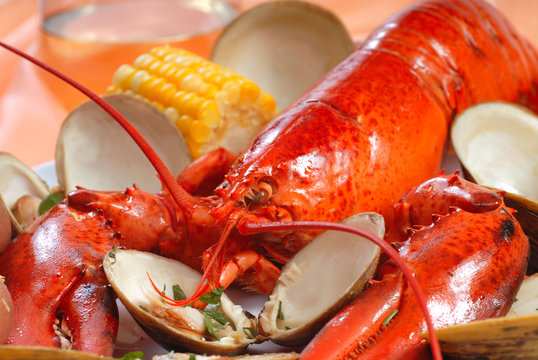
(31, 116)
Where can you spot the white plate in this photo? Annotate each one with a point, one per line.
(131, 337)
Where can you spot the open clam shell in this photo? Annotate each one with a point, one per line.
(95, 152)
(497, 145)
(512, 337)
(321, 278)
(175, 328)
(18, 180)
(283, 46)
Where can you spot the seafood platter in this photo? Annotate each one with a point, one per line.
(294, 196)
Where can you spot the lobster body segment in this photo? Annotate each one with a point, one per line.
(376, 125)
(469, 263)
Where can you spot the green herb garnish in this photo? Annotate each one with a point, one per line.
(215, 315)
(250, 332)
(133, 355)
(214, 321)
(280, 314)
(212, 297)
(192, 357)
(143, 308)
(178, 293)
(49, 202)
(212, 326)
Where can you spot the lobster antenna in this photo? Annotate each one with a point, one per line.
(248, 228)
(180, 196)
(203, 285)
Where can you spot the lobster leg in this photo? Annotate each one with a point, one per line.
(206, 172)
(262, 277)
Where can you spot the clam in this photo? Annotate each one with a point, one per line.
(497, 145)
(512, 337)
(93, 151)
(322, 277)
(283, 46)
(187, 328)
(21, 191)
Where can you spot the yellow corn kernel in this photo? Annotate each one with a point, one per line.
(183, 123)
(145, 85)
(113, 89)
(209, 112)
(172, 115)
(165, 68)
(181, 74)
(191, 82)
(209, 91)
(161, 52)
(122, 77)
(192, 105)
(194, 147)
(158, 105)
(267, 104)
(250, 92)
(178, 99)
(144, 61)
(199, 131)
(166, 93)
(138, 79)
(155, 88)
(231, 92)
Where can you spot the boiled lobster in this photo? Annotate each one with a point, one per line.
(369, 130)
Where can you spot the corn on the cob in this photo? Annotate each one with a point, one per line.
(212, 106)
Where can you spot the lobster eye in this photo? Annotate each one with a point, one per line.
(265, 192)
(261, 197)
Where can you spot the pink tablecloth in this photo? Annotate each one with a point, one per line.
(30, 115)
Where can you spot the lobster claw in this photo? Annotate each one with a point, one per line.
(65, 302)
(468, 264)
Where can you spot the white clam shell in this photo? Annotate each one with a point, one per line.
(95, 152)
